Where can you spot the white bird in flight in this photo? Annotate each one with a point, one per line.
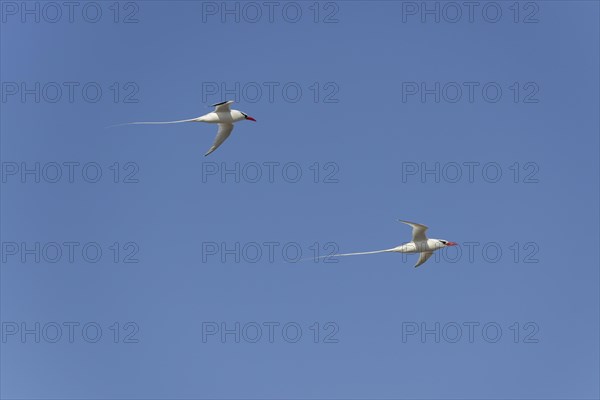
(222, 115)
(419, 244)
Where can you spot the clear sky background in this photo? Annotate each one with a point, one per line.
(365, 59)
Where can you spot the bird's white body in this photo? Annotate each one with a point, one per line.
(419, 244)
(419, 247)
(222, 115)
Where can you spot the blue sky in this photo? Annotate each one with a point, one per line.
(359, 123)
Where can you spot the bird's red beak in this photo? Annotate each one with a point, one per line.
(451, 244)
(250, 118)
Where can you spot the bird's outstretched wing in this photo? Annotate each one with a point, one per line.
(222, 135)
(418, 231)
(424, 256)
(222, 106)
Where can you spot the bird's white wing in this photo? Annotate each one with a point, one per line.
(222, 106)
(418, 231)
(222, 135)
(424, 256)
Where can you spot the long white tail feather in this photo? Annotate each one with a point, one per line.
(349, 254)
(155, 123)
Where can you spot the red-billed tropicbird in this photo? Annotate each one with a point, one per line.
(222, 115)
(419, 244)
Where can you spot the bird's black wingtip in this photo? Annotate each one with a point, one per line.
(220, 104)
